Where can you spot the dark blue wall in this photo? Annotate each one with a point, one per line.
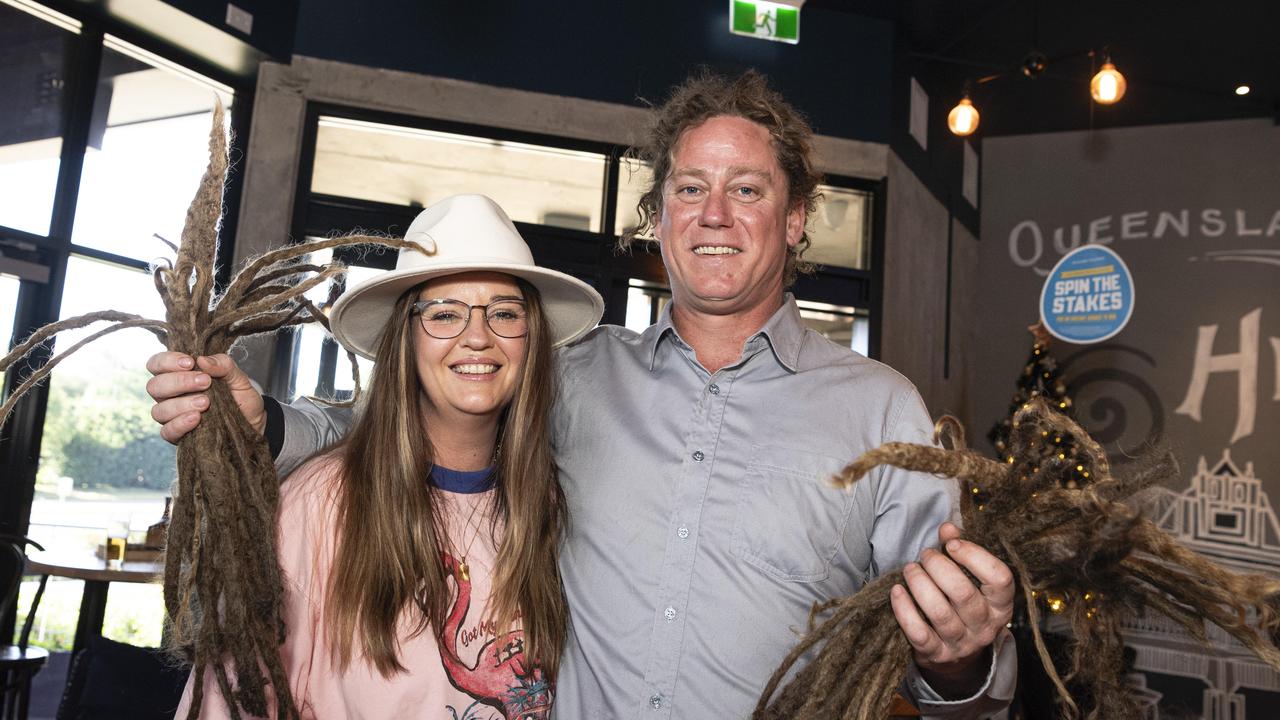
(274, 21)
(839, 74)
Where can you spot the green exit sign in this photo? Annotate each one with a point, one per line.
(767, 20)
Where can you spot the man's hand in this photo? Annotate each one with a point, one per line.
(178, 389)
(960, 620)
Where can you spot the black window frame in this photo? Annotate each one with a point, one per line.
(39, 303)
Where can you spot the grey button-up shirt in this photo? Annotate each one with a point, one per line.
(702, 525)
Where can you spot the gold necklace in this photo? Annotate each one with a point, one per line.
(464, 570)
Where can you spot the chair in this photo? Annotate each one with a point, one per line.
(111, 680)
(18, 663)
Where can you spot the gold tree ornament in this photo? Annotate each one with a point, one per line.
(1063, 528)
(223, 588)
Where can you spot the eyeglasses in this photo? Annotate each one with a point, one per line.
(447, 319)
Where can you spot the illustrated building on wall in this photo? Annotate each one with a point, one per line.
(1225, 515)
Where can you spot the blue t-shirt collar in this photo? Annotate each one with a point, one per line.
(463, 481)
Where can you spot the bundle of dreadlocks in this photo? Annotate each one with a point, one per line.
(222, 584)
(1054, 514)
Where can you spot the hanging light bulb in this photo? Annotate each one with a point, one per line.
(1108, 86)
(963, 118)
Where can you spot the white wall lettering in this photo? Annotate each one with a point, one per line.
(1211, 223)
(1242, 228)
(1181, 223)
(1275, 352)
(1096, 230)
(1133, 225)
(1015, 242)
(1059, 239)
(1244, 362)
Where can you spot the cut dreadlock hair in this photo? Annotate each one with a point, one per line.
(1058, 519)
(223, 589)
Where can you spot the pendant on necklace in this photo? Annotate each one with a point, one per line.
(464, 571)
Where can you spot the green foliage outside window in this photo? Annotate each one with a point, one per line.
(99, 432)
(135, 613)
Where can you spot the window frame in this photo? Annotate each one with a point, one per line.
(39, 303)
(589, 256)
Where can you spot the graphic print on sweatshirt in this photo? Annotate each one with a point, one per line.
(498, 676)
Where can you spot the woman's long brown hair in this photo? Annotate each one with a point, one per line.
(390, 520)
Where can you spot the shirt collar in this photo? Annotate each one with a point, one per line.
(655, 332)
(463, 481)
(784, 332)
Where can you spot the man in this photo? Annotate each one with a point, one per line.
(695, 455)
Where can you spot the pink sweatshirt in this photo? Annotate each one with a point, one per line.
(481, 677)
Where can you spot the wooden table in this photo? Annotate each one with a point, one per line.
(97, 579)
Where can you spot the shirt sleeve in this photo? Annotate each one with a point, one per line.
(910, 506)
(995, 694)
(308, 427)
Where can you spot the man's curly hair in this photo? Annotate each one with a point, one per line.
(706, 95)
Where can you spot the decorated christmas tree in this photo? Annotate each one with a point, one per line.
(1040, 378)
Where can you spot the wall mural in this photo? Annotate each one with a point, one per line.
(1194, 212)
(1225, 514)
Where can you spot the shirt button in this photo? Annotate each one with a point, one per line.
(669, 613)
(697, 455)
(683, 532)
(656, 701)
(714, 389)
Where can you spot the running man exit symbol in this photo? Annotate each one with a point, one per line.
(766, 20)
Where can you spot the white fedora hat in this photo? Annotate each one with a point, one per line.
(466, 232)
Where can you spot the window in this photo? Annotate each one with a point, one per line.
(1226, 521)
(633, 178)
(101, 459)
(840, 229)
(323, 368)
(9, 286)
(645, 303)
(843, 325)
(35, 49)
(153, 146)
(92, 167)
(571, 199)
(416, 167)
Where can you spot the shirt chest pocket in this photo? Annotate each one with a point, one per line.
(790, 520)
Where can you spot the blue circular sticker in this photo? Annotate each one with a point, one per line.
(1088, 297)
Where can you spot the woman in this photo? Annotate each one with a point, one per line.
(420, 552)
